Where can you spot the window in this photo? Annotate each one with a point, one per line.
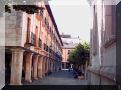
(33, 39)
(36, 35)
(69, 51)
(28, 30)
(40, 43)
(45, 21)
(50, 29)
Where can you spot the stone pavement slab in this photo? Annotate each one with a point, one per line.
(59, 78)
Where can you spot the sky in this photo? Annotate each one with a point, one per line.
(72, 17)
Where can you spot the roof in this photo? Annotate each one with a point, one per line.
(65, 36)
(69, 45)
(53, 20)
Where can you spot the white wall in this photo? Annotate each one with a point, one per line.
(13, 29)
(24, 28)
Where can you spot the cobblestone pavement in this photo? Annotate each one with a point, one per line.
(63, 77)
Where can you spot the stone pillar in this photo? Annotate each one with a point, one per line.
(51, 65)
(43, 67)
(54, 67)
(47, 65)
(16, 67)
(28, 67)
(40, 67)
(35, 66)
(64, 65)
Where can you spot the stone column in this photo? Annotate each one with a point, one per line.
(40, 67)
(43, 67)
(54, 67)
(47, 66)
(28, 67)
(64, 65)
(35, 66)
(16, 67)
(51, 65)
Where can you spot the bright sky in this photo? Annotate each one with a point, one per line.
(72, 17)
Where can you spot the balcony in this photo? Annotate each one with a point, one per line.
(45, 47)
(33, 39)
(47, 23)
(40, 43)
(50, 50)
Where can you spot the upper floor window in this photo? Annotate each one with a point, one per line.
(69, 51)
(50, 29)
(28, 24)
(28, 29)
(45, 20)
(36, 35)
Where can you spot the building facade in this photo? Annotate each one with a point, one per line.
(103, 44)
(66, 50)
(33, 47)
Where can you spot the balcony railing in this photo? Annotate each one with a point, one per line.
(45, 47)
(50, 50)
(33, 39)
(46, 23)
(40, 43)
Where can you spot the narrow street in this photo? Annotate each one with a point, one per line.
(59, 78)
(52, 37)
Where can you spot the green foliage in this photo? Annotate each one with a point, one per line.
(80, 54)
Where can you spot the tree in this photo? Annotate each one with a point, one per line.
(80, 55)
